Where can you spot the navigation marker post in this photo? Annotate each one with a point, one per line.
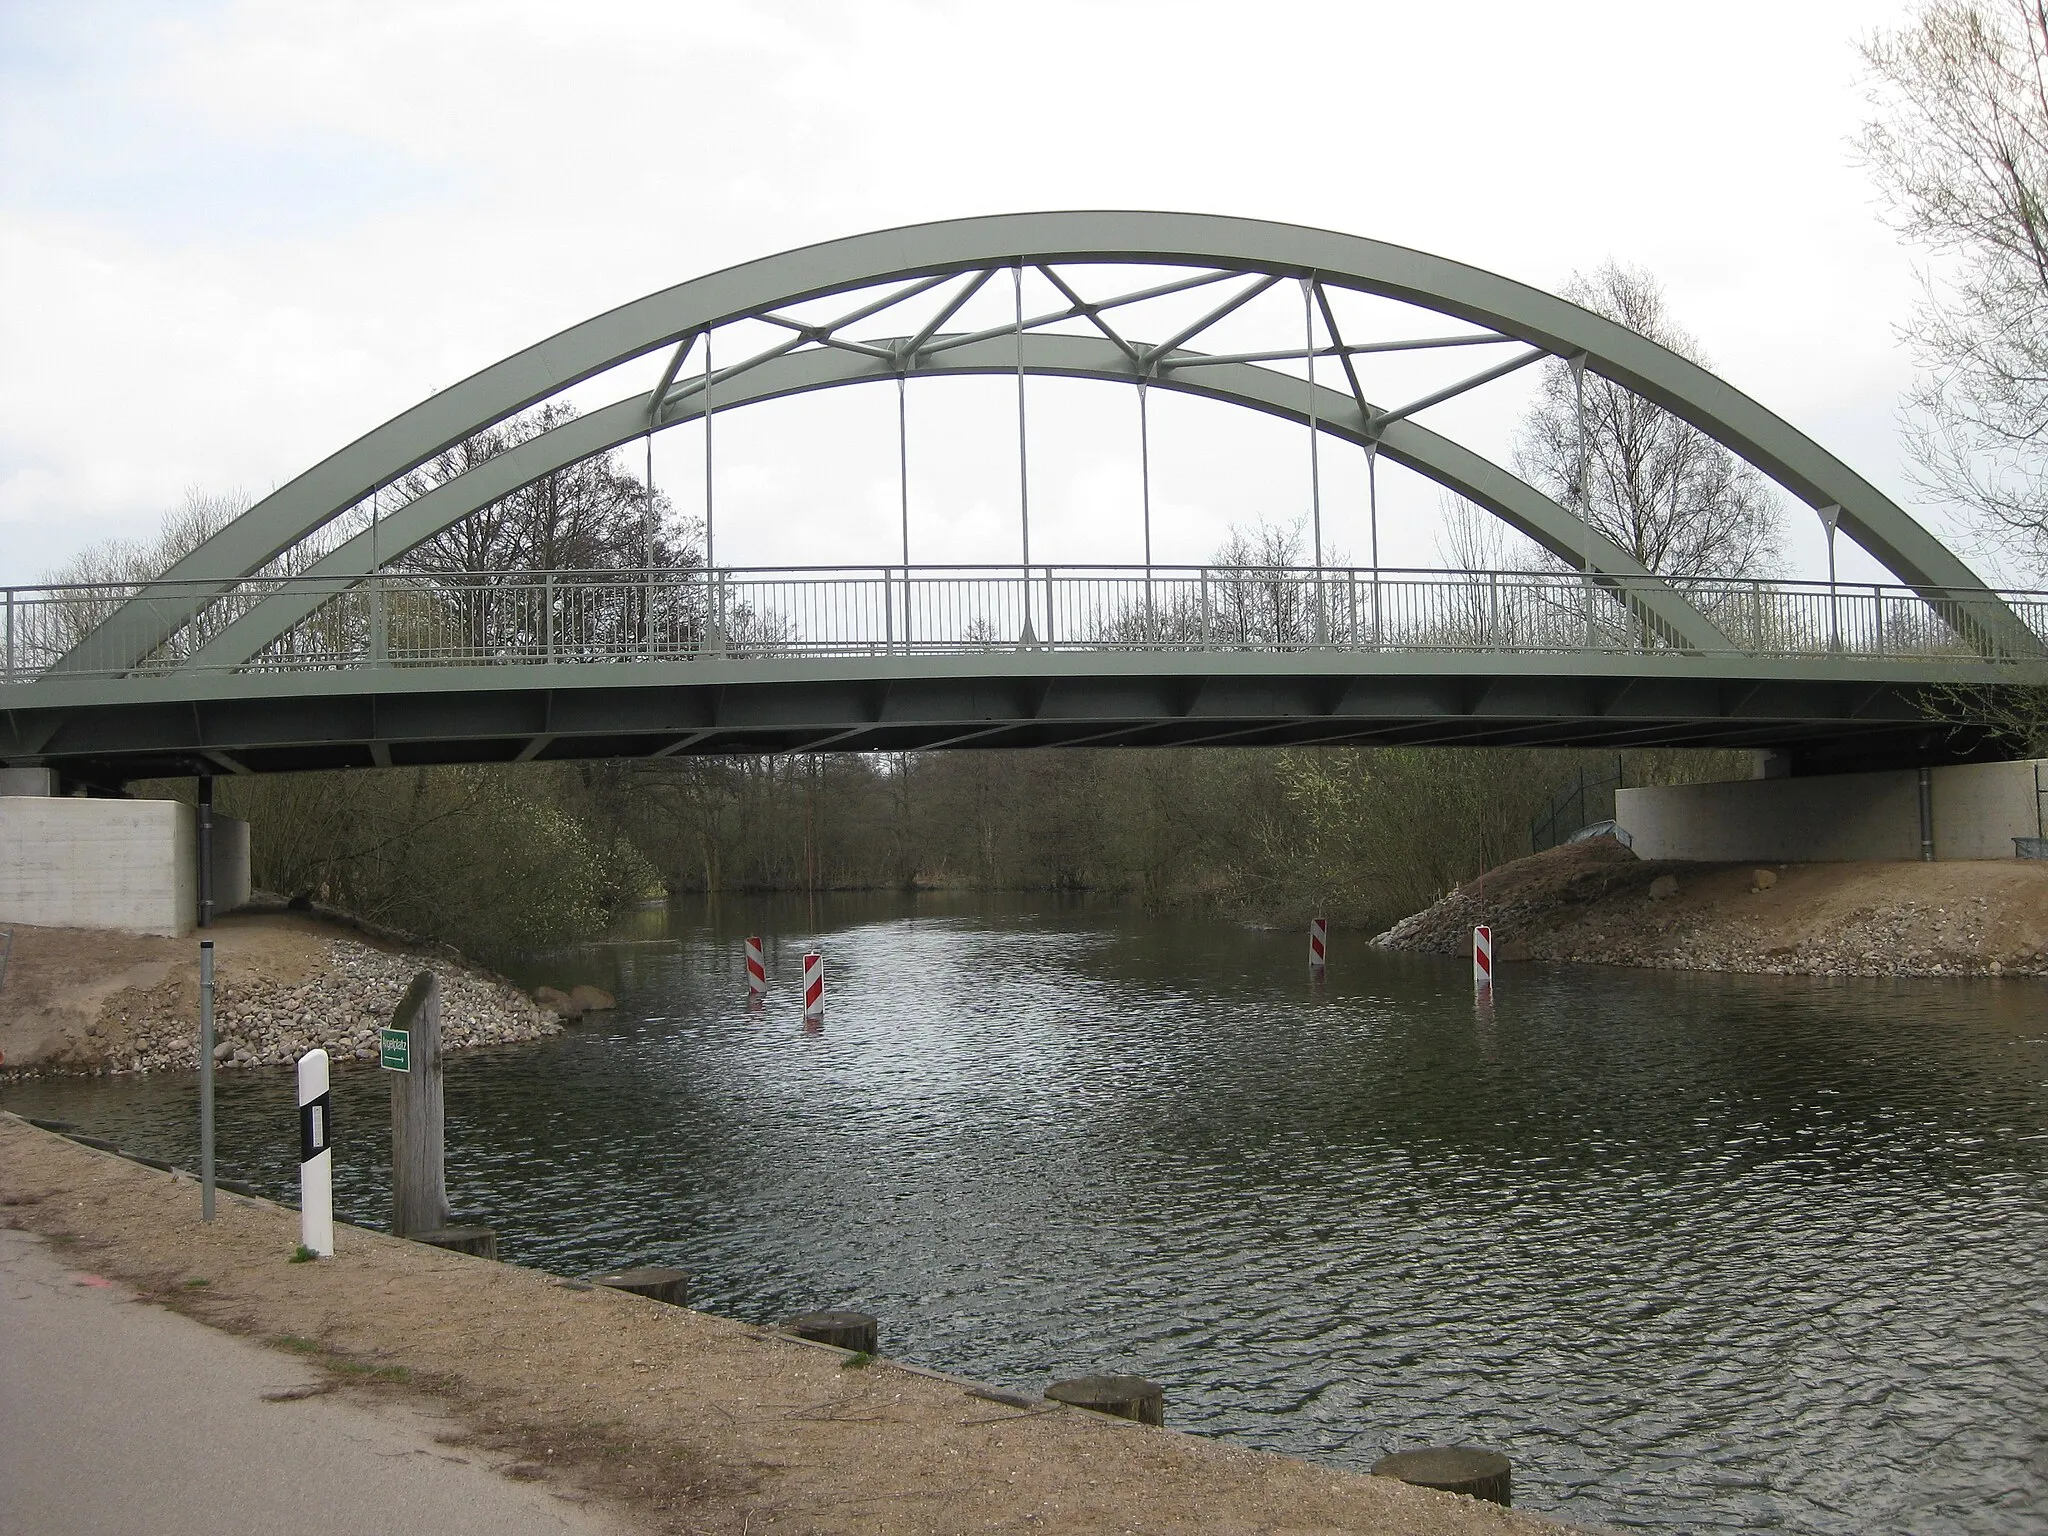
(1482, 956)
(316, 1155)
(757, 970)
(1318, 944)
(814, 991)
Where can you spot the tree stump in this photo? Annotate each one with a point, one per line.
(844, 1330)
(1123, 1397)
(651, 1281)
(482, 1242)
(1454, 1468)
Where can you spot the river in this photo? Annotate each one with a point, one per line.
(1700, 1252)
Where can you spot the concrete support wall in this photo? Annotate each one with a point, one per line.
(128, 864)
(1979, 808)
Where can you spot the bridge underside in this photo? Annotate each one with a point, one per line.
(260, 724)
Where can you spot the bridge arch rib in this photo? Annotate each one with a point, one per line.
(1407, 443)
(935, 251)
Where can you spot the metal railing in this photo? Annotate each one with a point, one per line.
(436, 619)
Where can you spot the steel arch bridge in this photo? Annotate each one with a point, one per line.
(297, 637)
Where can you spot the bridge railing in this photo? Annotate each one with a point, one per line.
(404, 619)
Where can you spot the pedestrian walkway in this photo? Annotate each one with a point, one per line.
(117, 1416)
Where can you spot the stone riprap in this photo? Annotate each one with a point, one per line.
(265, 1022)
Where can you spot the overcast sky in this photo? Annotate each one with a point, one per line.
(233, 237)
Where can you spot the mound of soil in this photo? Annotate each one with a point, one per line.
(1596, 902)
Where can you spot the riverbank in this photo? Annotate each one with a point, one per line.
(97, 1001)
(697, 1423)
(1596, 903)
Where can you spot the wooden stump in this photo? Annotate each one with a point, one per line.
(845, 1330)
(480, 1241)
(1123, 1397)
(419, 1183)
(1454, 1468)
(656, 1284)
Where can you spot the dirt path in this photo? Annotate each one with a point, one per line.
(218, 1435)
(698, 1423)
(1596, 902)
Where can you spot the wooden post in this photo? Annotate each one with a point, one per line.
(651, 1281)
(845, 1330)
(1453, 1468)
(1123, 1397)
(478, 1242)
(419, 1184)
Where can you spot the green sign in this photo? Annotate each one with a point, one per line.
(394, 1050)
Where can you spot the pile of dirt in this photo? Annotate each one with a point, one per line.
(1596, 902)
(91, 1001)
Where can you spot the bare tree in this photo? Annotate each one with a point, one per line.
(1958, 145)
(1663, 490)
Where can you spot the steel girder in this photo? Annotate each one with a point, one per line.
(1413, 446)
(1511, 309)
(107, 731)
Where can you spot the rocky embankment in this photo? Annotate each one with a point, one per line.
(79, 1002)
(1597, 903)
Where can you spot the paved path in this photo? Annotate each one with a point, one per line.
(117, 1417)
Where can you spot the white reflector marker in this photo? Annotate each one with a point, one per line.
(1318, 943)
(1482, 956)
(316, 1155)
(757, 969)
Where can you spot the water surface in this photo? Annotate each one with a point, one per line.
(1699, 1252)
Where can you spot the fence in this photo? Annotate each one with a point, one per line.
(423, 619)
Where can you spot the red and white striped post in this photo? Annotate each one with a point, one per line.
(757, 969)
(1482, 956)
(814, 988)
(1318, 943)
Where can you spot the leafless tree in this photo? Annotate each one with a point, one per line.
(1663, 490)
(1958, 145)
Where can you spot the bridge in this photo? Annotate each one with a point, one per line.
(300, 637)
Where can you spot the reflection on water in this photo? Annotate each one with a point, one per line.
(1699, 1252)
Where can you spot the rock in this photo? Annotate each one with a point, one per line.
(1762, 879)
(1664, 887)
(589, 999)
(556, 1001)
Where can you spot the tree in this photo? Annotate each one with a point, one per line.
(1663, 490)
(1958, 146)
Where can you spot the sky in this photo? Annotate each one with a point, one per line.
(236, 236)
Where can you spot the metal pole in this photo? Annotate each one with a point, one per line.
(903, 489)
(1829, 515)
(1145, 488)
(710, 557)
(206, 1079)
(1927, 815)
(379, 640)
(647, 519)
(1372, 503)
(1315, 456)
(205, 819)
(1579, 486)
(1023, 461)
(10, 634)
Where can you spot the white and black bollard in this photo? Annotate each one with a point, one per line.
(1318, 944)
(1482, 956)
(814, 990)
(316, 1155)
(757, 969)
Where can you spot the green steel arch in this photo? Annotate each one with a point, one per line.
(1407, 443)
(935, 251)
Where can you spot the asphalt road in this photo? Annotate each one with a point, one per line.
(118, 1417)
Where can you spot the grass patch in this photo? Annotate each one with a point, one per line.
(303, 1255)
(859, 1360)
(294, 1343)
(193, 1285)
